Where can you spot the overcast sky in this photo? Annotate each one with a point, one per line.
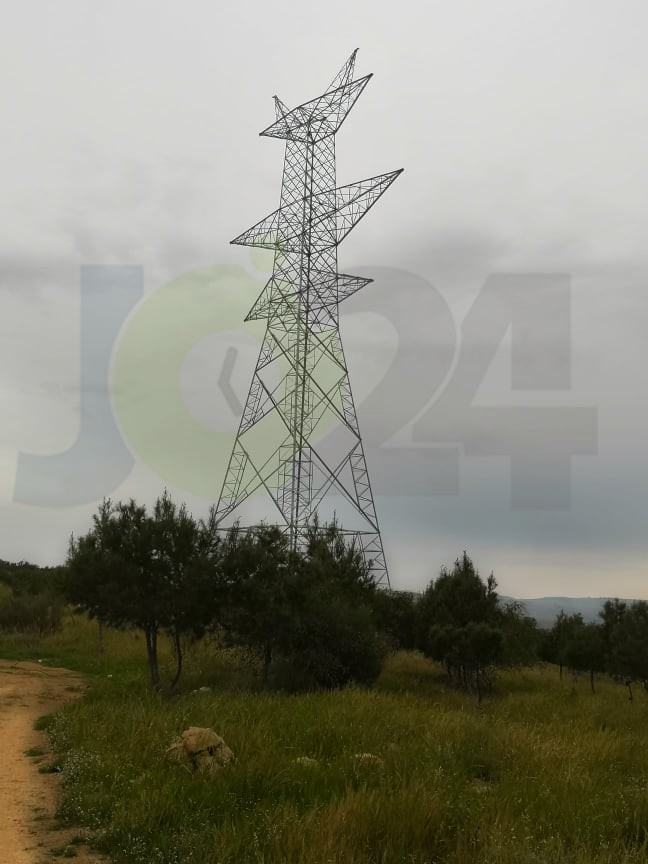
(130, 137)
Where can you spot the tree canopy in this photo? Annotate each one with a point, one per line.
(308, 612)
(146, 571)
(463, 624)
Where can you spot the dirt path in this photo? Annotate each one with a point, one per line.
(28, 798)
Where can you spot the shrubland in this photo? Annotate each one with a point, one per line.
(368, 725)
(31, 598)
(412, 770)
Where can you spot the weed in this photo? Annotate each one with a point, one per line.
(50, 768)
(64, 852)
(536, 774)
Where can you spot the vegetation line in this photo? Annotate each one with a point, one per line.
(366, 725)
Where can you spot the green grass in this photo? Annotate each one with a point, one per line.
(76, 645)
(542, 773)
(64, 852)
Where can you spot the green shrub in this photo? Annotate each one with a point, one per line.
(31, 613)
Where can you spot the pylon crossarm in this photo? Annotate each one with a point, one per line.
(320, 117)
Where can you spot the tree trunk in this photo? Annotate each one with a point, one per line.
(592, 679)
(177, 650)
(267, 660)
(102, 648)
(628, 684)
(561, 671)
(151, 652)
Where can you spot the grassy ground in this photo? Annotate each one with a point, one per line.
(542, 772)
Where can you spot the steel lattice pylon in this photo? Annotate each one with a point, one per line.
(300, 386)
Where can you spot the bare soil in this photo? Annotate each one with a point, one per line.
(28, 798)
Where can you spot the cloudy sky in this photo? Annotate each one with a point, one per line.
(498, 359)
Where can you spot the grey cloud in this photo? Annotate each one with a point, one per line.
(517, 161)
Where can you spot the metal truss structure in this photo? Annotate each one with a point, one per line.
(300, 388)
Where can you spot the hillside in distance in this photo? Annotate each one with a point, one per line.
(545, 609)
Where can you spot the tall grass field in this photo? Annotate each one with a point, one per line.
(543, 772)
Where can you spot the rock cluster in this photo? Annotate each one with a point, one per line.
(199, 749)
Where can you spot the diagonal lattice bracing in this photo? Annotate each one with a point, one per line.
(300, 391)
(319, 118)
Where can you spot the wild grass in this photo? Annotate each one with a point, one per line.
(544, 772)
(76, 646)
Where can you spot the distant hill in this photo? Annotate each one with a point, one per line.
(545, 609)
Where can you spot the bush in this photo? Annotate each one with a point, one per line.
(338, 645)
(395, 614)
(462, 623)
(36, 613)
(308, 614)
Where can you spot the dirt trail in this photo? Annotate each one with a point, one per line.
(28, 798)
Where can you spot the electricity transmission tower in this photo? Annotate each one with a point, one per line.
(300, 389)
